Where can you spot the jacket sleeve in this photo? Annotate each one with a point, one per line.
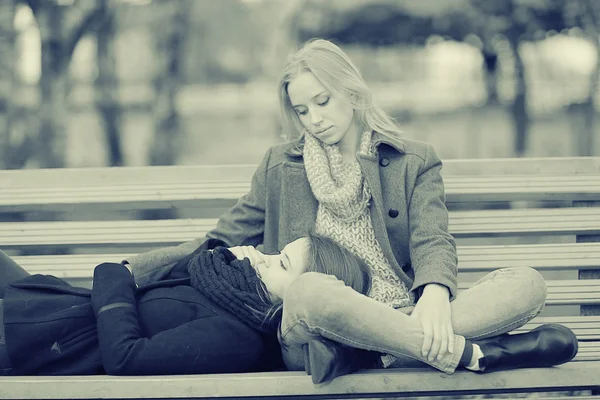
(243, 224)
(207, 345)
(432, 248)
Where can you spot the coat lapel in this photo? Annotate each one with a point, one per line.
(370, 169)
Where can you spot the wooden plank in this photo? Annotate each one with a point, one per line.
(462, 223)
(372, 383)
(471, 259)
(566, 292)
(147, 193)
(586, 328)
(173, 186)
(124, 176)
(71, 266)
(522, 187)
(102, 233)
(561, 221)
(543, 257)
(528, 165)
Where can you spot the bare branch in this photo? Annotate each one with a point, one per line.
(90, 22)
(34, 5)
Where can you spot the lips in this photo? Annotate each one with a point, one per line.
(324, 130)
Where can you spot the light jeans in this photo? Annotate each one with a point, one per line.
(318, 305)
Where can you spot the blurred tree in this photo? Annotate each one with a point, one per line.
(62, 23)
(107, 83)
(517, 21)
(169, 40)
(170, 45)
(7, 68)
(586, 13)
(392, 22)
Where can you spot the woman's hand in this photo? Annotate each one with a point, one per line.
(255, 256)
(434, 313)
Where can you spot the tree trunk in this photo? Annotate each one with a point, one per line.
(585, 137)
(53, 110)
(107, 86)
(490, 62)
(7, 65)
(168, 135)
(519, 105)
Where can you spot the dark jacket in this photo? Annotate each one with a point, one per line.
(168, 327)
(409, 215)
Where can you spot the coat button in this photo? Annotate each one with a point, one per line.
(384, 162)
(393, 213)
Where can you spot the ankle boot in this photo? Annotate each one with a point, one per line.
(325, 359)
(544, 346)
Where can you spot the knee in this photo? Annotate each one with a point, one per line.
(534, 287)
(308, 288)
(311, 294)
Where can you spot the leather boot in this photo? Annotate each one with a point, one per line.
(325, 359)
(544, 346)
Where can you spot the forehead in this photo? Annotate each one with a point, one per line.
(303, 88)
(297, 247)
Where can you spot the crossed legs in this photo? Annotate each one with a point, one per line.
(320, 305)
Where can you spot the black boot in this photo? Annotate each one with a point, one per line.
(325, 359)
(544, 346)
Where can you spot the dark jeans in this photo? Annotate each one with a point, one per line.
(10, 272)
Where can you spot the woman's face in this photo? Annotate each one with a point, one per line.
(278, 271)
(327, 117)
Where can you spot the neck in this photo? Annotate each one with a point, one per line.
(350, 143)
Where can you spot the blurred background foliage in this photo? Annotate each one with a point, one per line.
(163, 82)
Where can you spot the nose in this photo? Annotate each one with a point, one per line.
(315, 118)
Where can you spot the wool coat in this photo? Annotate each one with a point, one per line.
(168, 327)
(408, 211)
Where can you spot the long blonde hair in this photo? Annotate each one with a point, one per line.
(336, 72)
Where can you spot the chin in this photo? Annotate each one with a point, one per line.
(331, 138)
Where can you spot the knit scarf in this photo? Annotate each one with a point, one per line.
(344, 215)
(231, 284)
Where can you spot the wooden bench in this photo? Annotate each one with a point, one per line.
(543, 213)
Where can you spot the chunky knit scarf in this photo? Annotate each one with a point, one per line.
(231, 284)
(344, 214)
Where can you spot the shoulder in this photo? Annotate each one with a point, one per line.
(409, 150)
(284, 152)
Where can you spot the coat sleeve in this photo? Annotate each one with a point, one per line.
(211, 344)
(243, 224)
(432, 248)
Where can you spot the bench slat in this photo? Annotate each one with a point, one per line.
(521, 187)
(562, 221)
(585, 328)
(404, 382)
(566, 292)
(148, 195)
(544, 256)
(103, 232)
(462, 223)
(148, 187)
(471, 259)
